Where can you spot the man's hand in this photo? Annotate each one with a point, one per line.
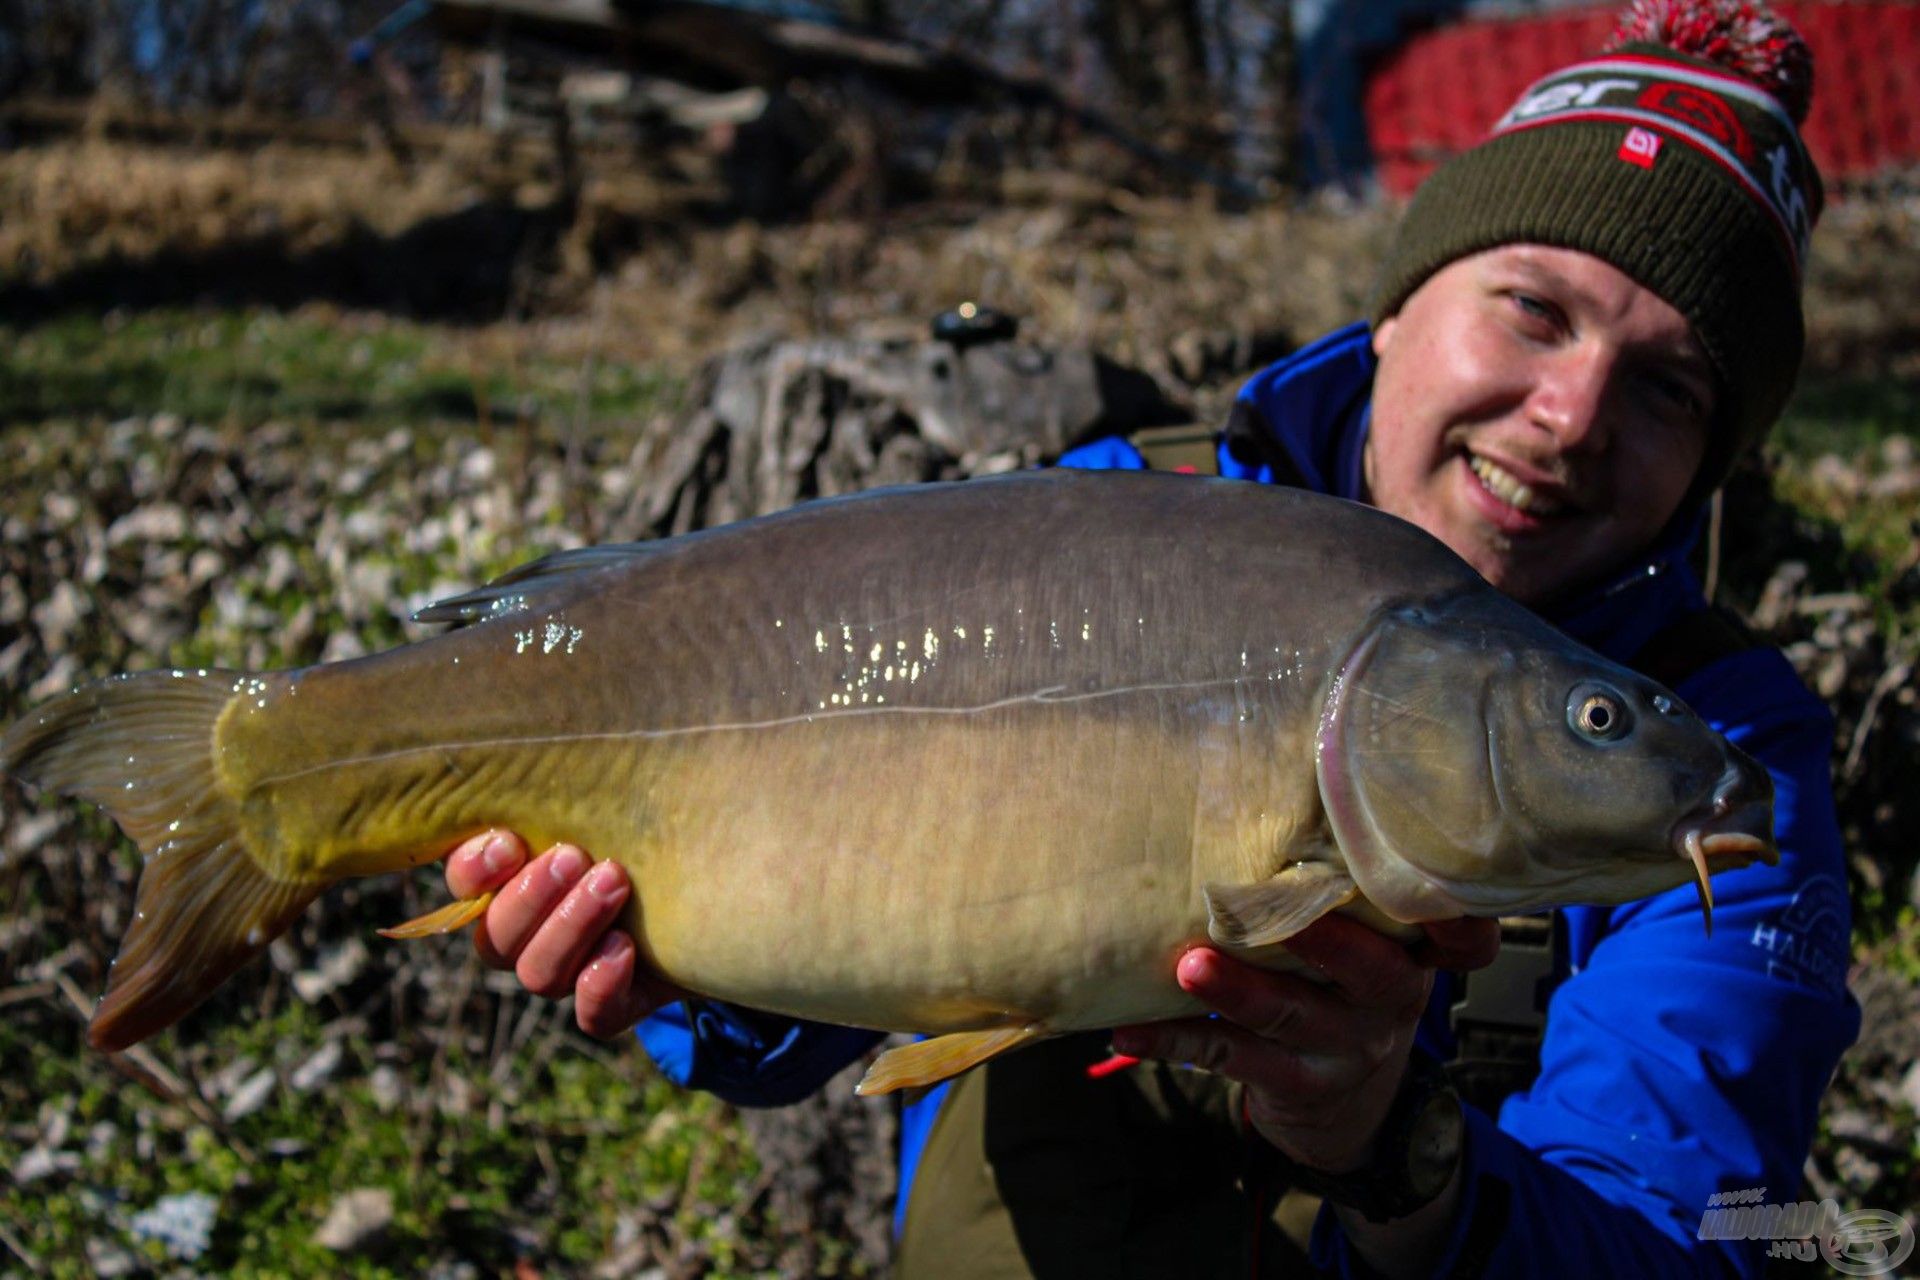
(1321, 1061)
(551, 923)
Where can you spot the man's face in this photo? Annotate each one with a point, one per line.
(1540, 413)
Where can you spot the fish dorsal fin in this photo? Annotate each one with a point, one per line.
(1259, 915)
(527, 586)
(928, 1062)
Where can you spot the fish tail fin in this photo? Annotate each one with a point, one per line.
(142, 747)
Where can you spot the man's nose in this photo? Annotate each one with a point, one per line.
(1571, 398)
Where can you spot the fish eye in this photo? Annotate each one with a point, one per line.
(1598, 714)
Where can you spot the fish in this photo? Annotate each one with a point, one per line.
(977, 760)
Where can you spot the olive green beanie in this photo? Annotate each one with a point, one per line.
(1689, 178)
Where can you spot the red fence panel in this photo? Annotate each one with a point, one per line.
(1437, 92)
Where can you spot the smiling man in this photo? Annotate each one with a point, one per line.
(1540, 412)
(1583, 323)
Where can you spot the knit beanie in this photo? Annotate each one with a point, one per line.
(1675, 156)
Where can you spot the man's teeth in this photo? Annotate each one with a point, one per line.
(1509, 490)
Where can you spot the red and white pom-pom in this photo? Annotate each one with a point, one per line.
(1748, 39)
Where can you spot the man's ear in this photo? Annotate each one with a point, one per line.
(1383, 334)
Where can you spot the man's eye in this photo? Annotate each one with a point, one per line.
(1679, 394)
(1536, 310)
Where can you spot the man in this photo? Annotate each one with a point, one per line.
(1583, 323)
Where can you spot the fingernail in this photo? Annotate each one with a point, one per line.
(606, 883)
(567, 865)
(498, 854)
(607, 950)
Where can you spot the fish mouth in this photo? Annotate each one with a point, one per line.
(1734, 830)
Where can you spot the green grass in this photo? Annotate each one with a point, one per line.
(1876, 535)
(1846, 415)
(612, 1137)
(311, 365)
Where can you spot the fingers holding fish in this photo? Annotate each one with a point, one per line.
(558, 948)
(523, 904)
(526, 927)
(1321, 1061)
(1370, 969)
(1469, 942)
(485, 862)
(613, 993)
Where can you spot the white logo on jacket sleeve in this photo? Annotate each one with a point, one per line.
(1807, 942)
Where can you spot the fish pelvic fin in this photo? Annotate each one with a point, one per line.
(1259, 915)
(142, 747)
(928, 1062)
(452, 918)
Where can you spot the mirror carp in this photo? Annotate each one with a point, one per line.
(976, 760)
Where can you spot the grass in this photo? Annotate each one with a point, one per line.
(1837, 439)
(312, 365)
(611, 1135)
(1846, 415)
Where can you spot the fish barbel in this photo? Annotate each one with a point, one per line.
(974, 760)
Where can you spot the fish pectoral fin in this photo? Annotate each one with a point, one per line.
(931, 1061)
(451, 918)
(1258, 915)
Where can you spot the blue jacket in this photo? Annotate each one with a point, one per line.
(1674, 1065)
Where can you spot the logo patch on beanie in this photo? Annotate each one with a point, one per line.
(1641, 147)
